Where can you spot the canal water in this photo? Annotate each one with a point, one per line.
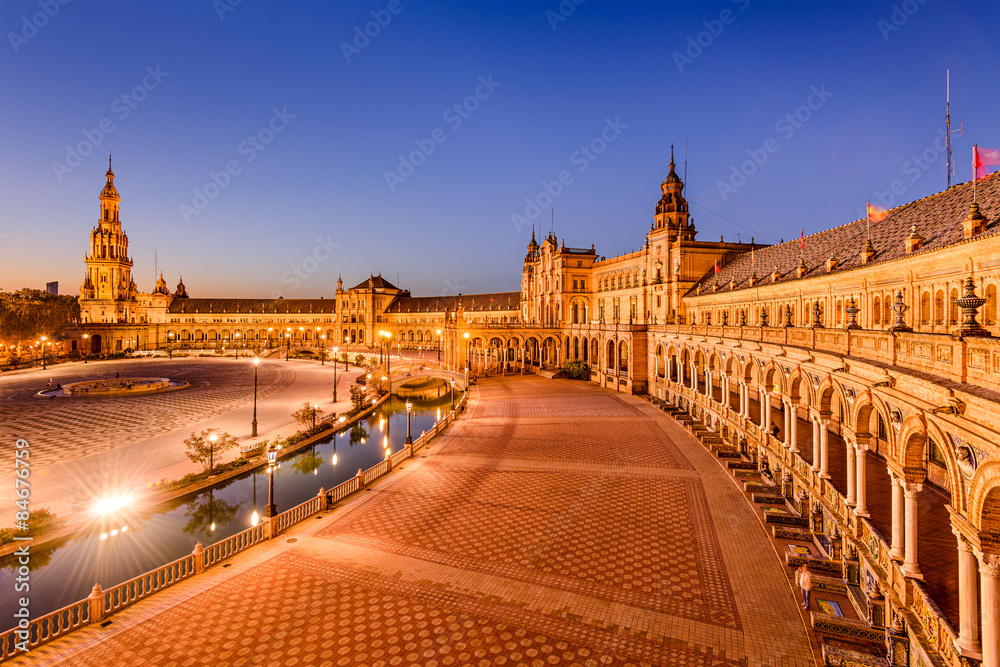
(126, 544)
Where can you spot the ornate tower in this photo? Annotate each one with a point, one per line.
(672, 215)
(108, 292)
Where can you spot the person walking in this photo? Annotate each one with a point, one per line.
(803, 578)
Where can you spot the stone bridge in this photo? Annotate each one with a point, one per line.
(409, 373)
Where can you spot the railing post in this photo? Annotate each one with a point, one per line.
(269, 532)
(361, 479)
(96, 604)
(322, 499)
(199, 558)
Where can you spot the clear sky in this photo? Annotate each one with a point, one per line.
(347, 155)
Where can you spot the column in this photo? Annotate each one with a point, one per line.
(861, 509)
(725, 391)
(896, 552)
(708, 382)
(910, 567)
(851, 499)
(786, 409)
(793, 423)
(824, 449)
(694, 378)
(816, 444)
(743, 398)
(968, 611)
(989, 587)
(765, 409)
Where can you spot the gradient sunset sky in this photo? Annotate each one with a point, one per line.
(831, 102)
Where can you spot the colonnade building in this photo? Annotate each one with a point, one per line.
(873, 351)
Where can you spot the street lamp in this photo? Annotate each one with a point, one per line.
(466, 336)
(288, 344)
(43, 352)
(409, 409)
(237, 344)
(269, 330)
(253, 424)
(440, 344)
(254, 518)
(272, 456)
(335, 350)
(170, 345)
(86, 352)
(453, 394)
(322, 353)
(211, 453)
(347, 351)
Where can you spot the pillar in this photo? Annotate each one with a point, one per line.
(708, 382)
(861, 509)
(764, 399)
(816, 445)
(910, 567)
(896, 551)
(824, 449)
(786, 408)
(724, 381)
(968, 611)
(852, 498)
(694, 377)
(989, 587)
(793, 426)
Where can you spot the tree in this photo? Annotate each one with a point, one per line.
(28, 314)
(343, 358)
(308, 416)
(577, 370)
(357, 398)
(201, 449)
(359, 360)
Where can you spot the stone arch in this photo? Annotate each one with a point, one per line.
(865, 407)
(936, 431)
(829, 388)
(984, 504)
(911, 452)
(774, 377)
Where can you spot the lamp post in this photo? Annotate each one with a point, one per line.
(86, 351)
(253, 424)
(453, 395)
(335, 350)
(347, 351)
(254, 518)
(211, 453)
(440, 344)
(322, 352)
(269, 330)
(288, 344)
(409, 409)
(43, 352)
(315, 409)
(272, 456)
(237, 344)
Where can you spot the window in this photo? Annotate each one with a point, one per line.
(934, 454)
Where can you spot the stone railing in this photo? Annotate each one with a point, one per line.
(35, 632)
(927, 624)
(973, 360)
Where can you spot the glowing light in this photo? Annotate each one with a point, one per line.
(124, 529)
(385, 442)
(111, 504)
(342, 420)
(114, 532)
(334, 459)
(104, 536)
(212, 527)
(254, 518)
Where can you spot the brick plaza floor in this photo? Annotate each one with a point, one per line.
(556, 523)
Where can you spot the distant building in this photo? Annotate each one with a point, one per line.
(52, 288)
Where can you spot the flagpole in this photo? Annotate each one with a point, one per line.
(975, 176)
(868, 214)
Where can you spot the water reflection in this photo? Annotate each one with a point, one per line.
(65, 573)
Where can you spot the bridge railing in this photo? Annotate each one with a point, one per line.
(100, 604)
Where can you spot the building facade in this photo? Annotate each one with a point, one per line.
(860, 344)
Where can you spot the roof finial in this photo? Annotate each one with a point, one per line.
(671, 155)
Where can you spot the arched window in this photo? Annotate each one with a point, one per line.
(990, 307)
(623, 356)
(925, 308)
(877, 311)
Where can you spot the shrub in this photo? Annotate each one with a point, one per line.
(576, 370)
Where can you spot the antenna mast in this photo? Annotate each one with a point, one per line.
(947, 122)
(156, 267)
(685, 160)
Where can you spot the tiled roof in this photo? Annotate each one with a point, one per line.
(938, 219)
(248, 306)
(470, 302)
(376, 282)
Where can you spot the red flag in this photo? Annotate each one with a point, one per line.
(802, 236)
(981, 158)
(877, 214)
(716, 266)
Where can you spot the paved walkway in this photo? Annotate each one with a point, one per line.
(557, 523)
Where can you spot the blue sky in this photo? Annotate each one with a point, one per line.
(311, 121)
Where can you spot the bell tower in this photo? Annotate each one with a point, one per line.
(108, 291)
(672, 216)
